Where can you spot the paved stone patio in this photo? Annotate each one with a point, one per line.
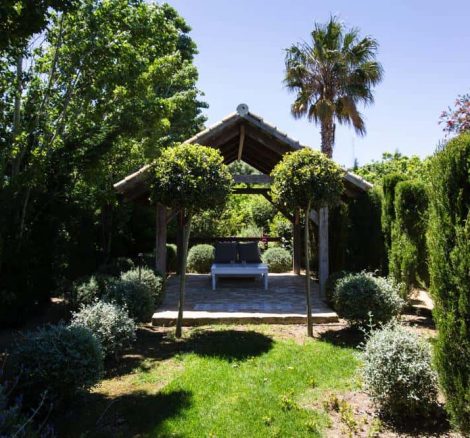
(242, 301)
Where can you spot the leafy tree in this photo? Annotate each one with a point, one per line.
(111, 84)
(331, 76)
(410, 167)
(190, 178)
(448, 242)
(303, 180)
(19, 20)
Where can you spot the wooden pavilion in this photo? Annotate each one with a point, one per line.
(244, 136)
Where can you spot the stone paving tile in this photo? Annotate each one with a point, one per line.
(285, 296)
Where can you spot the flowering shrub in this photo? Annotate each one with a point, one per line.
(278, 259)
(58, 359)
(364, 299)
(398, 374)
(147, 276)
(137, 296)
(457, 120)
(200, 258)
(110, 324)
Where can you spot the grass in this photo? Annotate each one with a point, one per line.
(217, 383)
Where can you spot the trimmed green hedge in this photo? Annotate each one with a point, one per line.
(389, 184)
(449, 267)
(408, 254)
(200, 258)
(278, 259)
(356, 238)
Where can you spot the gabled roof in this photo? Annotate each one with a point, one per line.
(241, 135)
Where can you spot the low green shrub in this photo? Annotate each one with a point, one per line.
(200, 258)
(363, 299)
(398, 374)
(115, 266)
(109, 323)
(330, 285)
(147, 276)
(278, 259)
(89, 289)
(58, 359)
(137, 296)
(171, 257)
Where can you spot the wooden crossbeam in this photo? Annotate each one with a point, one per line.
(252, 179)
(250, 190)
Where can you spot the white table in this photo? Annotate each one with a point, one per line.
(239, 270)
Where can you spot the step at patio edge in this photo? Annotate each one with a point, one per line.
(195, 318)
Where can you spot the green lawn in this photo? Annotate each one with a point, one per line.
(222, 383)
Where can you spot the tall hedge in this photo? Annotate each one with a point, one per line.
(356, 238)
(388, 205)
(449, 262)
(408, 253)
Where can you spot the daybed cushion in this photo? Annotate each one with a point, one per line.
(225, 252)
(249, 252)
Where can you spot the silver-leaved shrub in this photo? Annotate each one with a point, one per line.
(364, 299)
(59, 359)
(398, 374)
(109, 323)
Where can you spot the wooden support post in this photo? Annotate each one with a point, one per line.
(179, 240)
(241, 143)
(160, 239)
(323, 249)
(297, 235)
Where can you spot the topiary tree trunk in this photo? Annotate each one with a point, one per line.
(184, 262)
(190, 178)
(307, 272)
(302, 180)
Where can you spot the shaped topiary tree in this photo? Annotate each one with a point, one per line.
(303, 180)
(190, 178)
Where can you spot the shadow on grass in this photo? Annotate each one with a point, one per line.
(160, 345)
(134, 414)
(229, 344)
(349, 337)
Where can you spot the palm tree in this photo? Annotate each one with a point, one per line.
(331, 76)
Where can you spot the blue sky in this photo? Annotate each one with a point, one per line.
(424, 49)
